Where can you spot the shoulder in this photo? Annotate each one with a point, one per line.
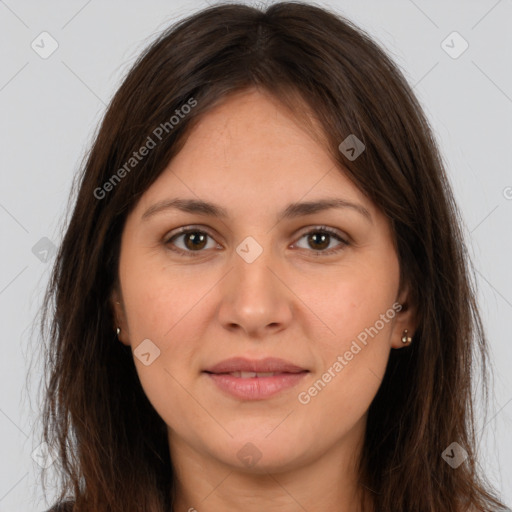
(64, 506)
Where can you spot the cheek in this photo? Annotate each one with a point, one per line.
(171, 311)
(156, 299)
(357, 316)
(350, 302)
(167, 311)
(349, 375)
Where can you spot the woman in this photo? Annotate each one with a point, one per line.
(262, 300)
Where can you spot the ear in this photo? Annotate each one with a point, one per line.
(119, 316)
(407, 318)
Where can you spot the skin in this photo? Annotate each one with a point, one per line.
(252, 157)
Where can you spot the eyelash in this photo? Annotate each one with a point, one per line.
(318, 229)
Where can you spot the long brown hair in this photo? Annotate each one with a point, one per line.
(112, 444)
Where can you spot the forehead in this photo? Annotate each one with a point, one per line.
(252, 125)
(249, 144)
(252, 158)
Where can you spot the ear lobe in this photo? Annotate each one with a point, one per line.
(406, 322)
(119, 317)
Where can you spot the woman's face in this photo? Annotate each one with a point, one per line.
(263, 281)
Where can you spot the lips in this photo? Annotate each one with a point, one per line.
(246, 368)
(251, 379)
(248, 375)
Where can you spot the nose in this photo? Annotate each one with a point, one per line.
(254, 297)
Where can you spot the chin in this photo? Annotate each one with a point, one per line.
(260, 455)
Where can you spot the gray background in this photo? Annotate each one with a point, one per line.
(51, 107)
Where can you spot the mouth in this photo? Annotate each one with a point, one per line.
(249, 375)
(242, 365)
(246, 379)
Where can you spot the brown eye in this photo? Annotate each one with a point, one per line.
(192, 241)
(319, 240)
(195, 240)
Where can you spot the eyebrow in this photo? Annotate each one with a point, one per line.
(293, 210)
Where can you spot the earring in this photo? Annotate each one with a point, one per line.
(118, 330)
(406, 339)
